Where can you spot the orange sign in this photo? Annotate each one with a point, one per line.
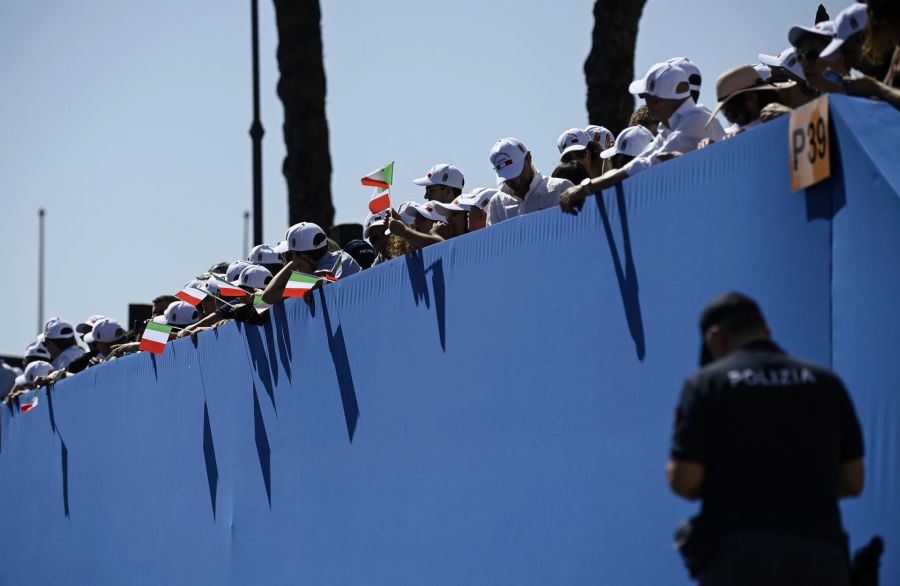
(809, 144)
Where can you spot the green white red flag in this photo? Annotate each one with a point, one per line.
(155, 337)
(191, 295)
(381, 200)
(382, 177)
(259, 305)
(299, 284)
(26, 405)
(227, 289)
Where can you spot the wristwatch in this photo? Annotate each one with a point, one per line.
(585, 185)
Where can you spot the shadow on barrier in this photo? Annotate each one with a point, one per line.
(283, 338)
(271, 353)
(259, 359)
(209, 455)
(64, 457)
(415, 268)
(263, 450)
(627, 277)
(153, 363)
(50, 410)
(415, 265)
(338, 349)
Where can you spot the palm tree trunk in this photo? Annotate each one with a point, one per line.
(301, 87)
(609, 67)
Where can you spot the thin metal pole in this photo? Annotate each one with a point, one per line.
(246, 234)
(256, 129)
(40, 313)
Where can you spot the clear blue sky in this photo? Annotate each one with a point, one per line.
(128, 121)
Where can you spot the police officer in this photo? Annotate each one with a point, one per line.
(770, 443)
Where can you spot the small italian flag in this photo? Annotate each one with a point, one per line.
(299, 284)
(382, 177)
(227, 289)
(155, 337)
(260, 305)
(381, 200)
(26, 407)
(191, 295)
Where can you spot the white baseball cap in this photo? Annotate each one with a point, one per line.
(37, 350)
(34, 370)
(407, 212)
(442, 174)
(663, 80)
(694, 78)
(508, 158)
(631, 141)
(764, 71)
(373, 220)
(303, 237)
(254, 276)
(826, 28)
(787, 59)
(234, 269)
(573, 139)
(178, 313)
(600, 134)
(479, 198)
(57, 329)
(445, 209)
(107, 331)
(85, 326)
(429, 210)
(262, 254)
(849, 21)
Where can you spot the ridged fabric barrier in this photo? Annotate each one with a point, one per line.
(493, 410)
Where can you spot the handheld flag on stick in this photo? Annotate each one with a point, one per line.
(381, 178)
(381, 201)
(226, 289)
(299, 284)
(26, 407)
(191, 295)
(155, 337)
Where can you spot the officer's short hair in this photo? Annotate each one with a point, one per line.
(733, 312)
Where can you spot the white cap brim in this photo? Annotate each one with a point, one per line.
(424, 181)
(281, 247)
(433, 215)
(20, 380)
(450, 207)
(609, 153)
(637, 87)
(161, 319)
(832, 48)
(372, 225)
(770, 60)
(88, 338)
(572, 148)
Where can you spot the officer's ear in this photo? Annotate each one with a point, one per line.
(717, 341)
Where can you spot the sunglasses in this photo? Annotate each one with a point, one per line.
(574, 155)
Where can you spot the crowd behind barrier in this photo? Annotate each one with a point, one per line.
(863, 37)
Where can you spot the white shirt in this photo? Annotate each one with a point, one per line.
(69, 355)
(348, 265)
(543, 192)
(684, 129)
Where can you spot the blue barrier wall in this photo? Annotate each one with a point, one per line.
(493, 410)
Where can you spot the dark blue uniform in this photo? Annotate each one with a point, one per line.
(772, 432)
